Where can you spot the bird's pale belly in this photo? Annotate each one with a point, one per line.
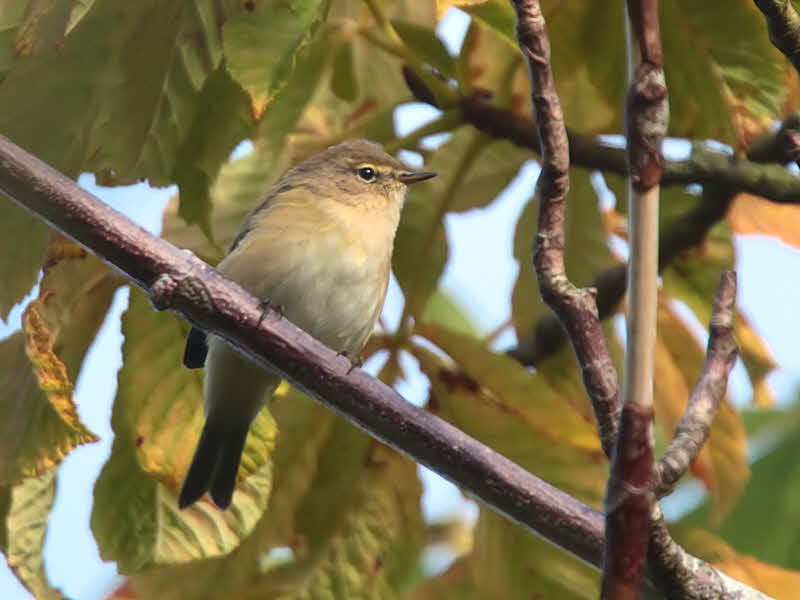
(329, 288)
(338, 303)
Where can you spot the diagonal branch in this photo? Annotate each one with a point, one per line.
(178, 280)
(783, 23)
(693, 428)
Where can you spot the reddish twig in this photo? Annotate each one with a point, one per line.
(629, 498)
(693, 428)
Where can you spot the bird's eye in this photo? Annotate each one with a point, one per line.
(367, 174)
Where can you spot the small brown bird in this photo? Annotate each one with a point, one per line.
(319, 245)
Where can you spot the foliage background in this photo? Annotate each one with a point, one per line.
(541, 420)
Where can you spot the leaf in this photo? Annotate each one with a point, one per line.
(778, 583)
(753, 215)
(342, 507)
(511, 563)
(496, 400)
(424, 43)
(757, 359)
(443, 309)
(261, 40)
(757, 525)
(122, 86)
(344, 82)
(586, 251)
(24, 509)
(222, 120)
(19, 270)
(39, 425)
(373, 547)
(11, 14)
(156, 420)
(472, 169)
(722, 464)
(693, 276)
(725, 79)
(43, 27)
(242, 182)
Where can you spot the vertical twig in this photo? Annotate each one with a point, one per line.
(576, 308)
(629, 498)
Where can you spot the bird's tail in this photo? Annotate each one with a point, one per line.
(215, 462)
(235, 391)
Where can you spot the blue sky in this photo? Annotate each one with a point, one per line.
(481, 276)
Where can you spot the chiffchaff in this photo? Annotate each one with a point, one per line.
(319, 246)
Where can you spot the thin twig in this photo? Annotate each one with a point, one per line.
(783, 23)
(693, 428)
(547, 336)
(576, 308)
(629, 498)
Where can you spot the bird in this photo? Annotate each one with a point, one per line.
(318, 246)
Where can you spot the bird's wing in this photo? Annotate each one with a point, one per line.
(194, 356)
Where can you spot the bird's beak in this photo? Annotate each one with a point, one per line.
(409, 178)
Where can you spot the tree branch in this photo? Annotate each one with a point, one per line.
(547, 336)
(693, 428)
(680, 575)
(178, 280)
(576, 308)
(629, 498)
(704, 166)
(783, 23)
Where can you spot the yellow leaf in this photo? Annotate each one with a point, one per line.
(24, 510)
(157, 420)
(752, 215)
(780, 583)
(39, 424)
(516, 412)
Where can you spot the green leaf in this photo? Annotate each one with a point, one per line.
(443, 309)
(344, 82)
(11, 15)
(222, 120)
(424, 43)
(241, 182)
(472, 169)
(493, 398)
(759, 524)
(156, 420)
(19, 270)
(261, 40)
(39, 424)
(586, 252)
(370, 549)
(725, 79)
(126, 79)
(24, 509)
(508, 562)
(345, 509)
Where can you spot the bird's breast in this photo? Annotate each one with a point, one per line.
(329, 280)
